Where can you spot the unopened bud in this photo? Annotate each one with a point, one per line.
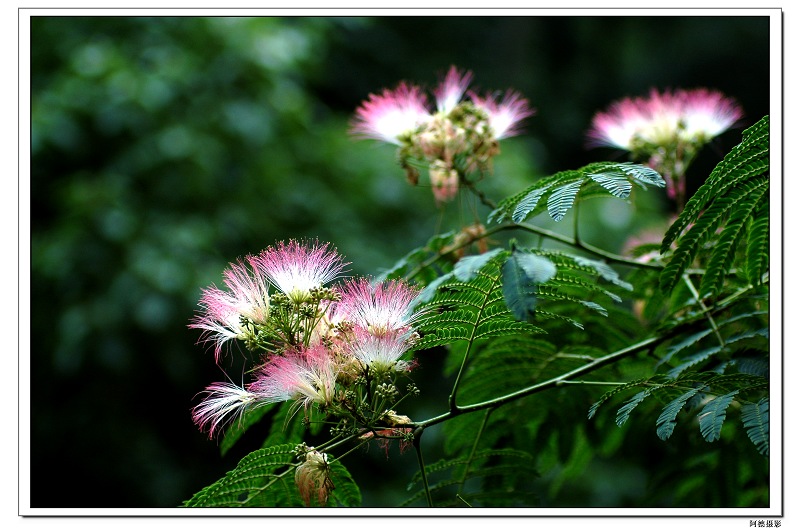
(312, 478)
(444, 181)
(393, 419)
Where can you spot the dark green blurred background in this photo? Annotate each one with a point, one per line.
(163, 148)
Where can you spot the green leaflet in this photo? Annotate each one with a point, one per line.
(731, 343)
(755, 418)
(757, 254)
(467, 267)
(625, 411)
(665, 423)
(561, 200)
(615, 182)
(522, 273)
(713, 416)
(609, 394)
(722, 255)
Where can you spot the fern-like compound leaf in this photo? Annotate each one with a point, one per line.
(559, 192)
(260, 471)
(755, 418)
(611, 393)
(615, 182)
(746, 160)
(722, 255)
(603, 270)
(734, 198)
(694, 360)
(458, 310)
(713, 416)
(698, 234)
(757, 254)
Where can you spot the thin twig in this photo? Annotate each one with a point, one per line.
(704, 308)
(418, 449)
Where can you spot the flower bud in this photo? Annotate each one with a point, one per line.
(393, 419)
(444, 181)
(312, 478)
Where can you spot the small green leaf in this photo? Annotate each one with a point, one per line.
(429, 291)
(713, 416)
(605, 271)
(467, 268)
(755, 418)
(345, 491)
(522, 272)
(528, 204)
(625, 410)
(665, 423)
(562, 199)
(615, 182)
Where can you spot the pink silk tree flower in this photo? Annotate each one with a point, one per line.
(666, 130)
(295, 268)
(223, 311)
(393, 114)
(455, 141)
(223, 402)
(306, 376)
(694, 116)
(380, 308)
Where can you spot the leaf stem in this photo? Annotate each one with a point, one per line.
(479, 193)
(590, 383)
(542, 232)
(545, 385)
(418, 448)
(574, 242)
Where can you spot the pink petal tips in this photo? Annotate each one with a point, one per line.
(688, 115)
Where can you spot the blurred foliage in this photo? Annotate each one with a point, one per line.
(163, 148)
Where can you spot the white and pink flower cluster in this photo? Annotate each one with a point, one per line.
(454, 138)
(665, 129)
(316, 341)
(661, 119)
